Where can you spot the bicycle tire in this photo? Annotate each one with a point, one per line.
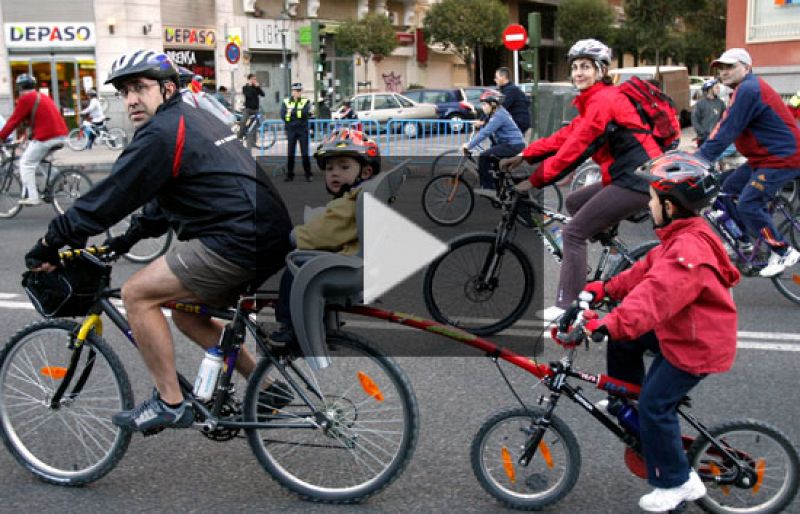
(362, 409)
(711, 464)
(495, 460)
(146, 250)
(586, 174)
(77, 140)
(788, 282)
(476, 315)
(262, 141)
(447, 200)
(437, 162)
(636, 254)
(116, 139)
(66, 187)
(59, 456)
(10, 194)
(553, 198)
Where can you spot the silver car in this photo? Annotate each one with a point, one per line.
(381, 107)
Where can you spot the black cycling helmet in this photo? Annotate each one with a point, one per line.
(491, 97)
(143, 63)
(351, 143)
(25, 82)
(682, 178)
(590, 49)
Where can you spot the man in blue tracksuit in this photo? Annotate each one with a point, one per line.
(765, 132)
(506, 135)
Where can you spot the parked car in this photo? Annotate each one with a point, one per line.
(382, 107)
(674, 82)
(473, 94)
(451, 104)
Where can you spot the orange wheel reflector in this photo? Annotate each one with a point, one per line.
(796, 278)
(761, 466)
(56, 372)
(508, 465)
(717, 473)
(546, 454)
(369, 386)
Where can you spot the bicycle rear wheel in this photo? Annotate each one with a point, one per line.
(364, 430)
(772, 463)
(478, 288)
(116, 139)
(788, 282)
(10, 194)
(551, 473)
(635, 254)
(146, 250)
(68, 186)
(447, 200)
(74, 443)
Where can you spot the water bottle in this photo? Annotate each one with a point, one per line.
(627, 415)
(557, 236)
(208, 374)
(729, 223)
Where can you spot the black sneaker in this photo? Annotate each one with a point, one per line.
(288, 178)
(277, 396)
(284, 335)
(154, 415)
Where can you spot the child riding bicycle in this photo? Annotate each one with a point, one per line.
(508, 140)
(677, 303)
(347, 158)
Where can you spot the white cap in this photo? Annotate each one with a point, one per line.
(734, 55)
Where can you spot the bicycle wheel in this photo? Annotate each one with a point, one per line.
(788, 282)
(265, 139)
(587, 173)
(447, 200)
(791, 191)
(772, 461)
(459, 292)
(68, 186)
(371, 426)
(77, 140)
(552, 198)
(10, 193)
(551, 473)
(445, 162)
(146, 250)
(74, 443)
(116, 139)
(635, 254)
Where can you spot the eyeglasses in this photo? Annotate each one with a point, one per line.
(137, 88)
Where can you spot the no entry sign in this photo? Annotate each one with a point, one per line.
(515, 37)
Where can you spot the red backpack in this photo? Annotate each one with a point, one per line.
(656, 110)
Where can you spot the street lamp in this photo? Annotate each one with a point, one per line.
(284, 17)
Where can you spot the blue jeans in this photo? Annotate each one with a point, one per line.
(497, 151)
(755, 188)
(663, 387)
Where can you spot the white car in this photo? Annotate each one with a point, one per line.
(381, 107)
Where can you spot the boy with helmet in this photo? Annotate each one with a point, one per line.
(707, 111)
(610, 130)
(188, 174)
(677, 303)
(347, 158)
(505, 134)
(47, 131)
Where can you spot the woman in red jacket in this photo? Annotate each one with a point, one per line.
(609, 130)
(677, 303)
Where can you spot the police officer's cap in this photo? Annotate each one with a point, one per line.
(297, 86)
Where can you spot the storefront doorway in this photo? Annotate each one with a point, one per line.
(269, 74)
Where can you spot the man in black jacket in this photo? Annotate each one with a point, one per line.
(191, 175)
(515, 100)
(252, 90)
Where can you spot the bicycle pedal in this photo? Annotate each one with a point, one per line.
(152, 432)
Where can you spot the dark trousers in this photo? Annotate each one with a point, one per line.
(663, 388)
(283, 314)
(755, 188)
(294, 136)
(497, 151)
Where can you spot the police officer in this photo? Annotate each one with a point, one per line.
(295, 111)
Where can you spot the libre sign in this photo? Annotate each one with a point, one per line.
(46, 34)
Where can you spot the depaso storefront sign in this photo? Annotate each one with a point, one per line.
(45, 34)
(188, 36)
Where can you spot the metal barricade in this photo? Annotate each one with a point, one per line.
(423, 140)
(273, 133)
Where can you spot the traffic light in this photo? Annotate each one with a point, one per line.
(527, 60)
(318, 40)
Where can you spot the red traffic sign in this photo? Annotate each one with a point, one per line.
(233, 53)
(515, 37)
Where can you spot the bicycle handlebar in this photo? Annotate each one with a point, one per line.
(573, 318)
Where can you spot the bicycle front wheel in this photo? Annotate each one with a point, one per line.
(146, 250)
(447, 200)
(73, 443)
(76, 139)
(788, 282)
(358, 435)
(549, 476)
(10, 194)
(769, 482)
(478, 287)
(68, 186)
(265, 139)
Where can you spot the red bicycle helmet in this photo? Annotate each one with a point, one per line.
(491, 97)
(352, 143)
(682, 178)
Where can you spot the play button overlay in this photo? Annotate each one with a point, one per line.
(394, 248)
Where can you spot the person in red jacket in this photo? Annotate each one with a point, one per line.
(677, 303)
(48, 130)
(609, 130)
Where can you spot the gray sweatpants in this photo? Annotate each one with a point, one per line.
(593, 208)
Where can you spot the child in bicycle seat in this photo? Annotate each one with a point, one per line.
(347, 158)
(508, 140)
(677, 303)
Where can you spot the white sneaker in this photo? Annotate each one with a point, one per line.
(602, 405)
(30, 201)
(778, 263)
(551, 313)
(662, 500)
(491, 194)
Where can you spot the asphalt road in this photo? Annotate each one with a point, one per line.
(457, 390)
